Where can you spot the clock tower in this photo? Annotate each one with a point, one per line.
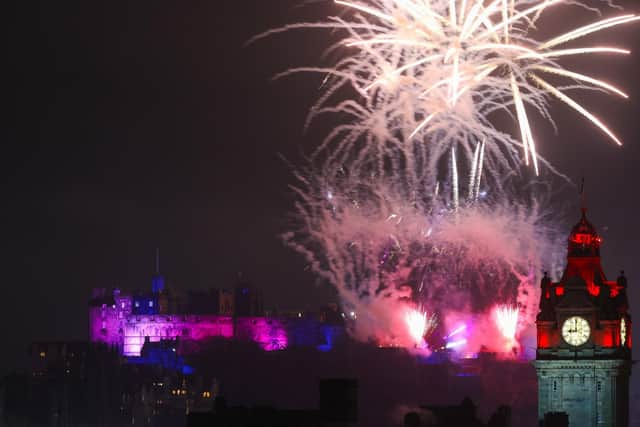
(583, 358)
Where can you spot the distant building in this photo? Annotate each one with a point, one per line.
(125, 321)
(338, 407)
(68, 383)
(91, 384)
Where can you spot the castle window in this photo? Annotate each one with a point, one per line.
(150, 303)
(122, 304)
(137, 304)
(555, 386)
(599, 386)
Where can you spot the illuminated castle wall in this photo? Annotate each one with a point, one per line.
(125, 321)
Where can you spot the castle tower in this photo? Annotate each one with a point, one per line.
(583, 358)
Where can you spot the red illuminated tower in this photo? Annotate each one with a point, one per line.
(583, 358)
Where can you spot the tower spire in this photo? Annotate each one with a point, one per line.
(157, 282)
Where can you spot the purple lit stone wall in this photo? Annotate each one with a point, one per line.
(269, 333)
(162, 326)
(106, 319)
(113, 323)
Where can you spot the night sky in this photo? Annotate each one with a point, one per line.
(133, 125)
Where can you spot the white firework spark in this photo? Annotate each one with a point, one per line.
(506, 318)
(420, 324)
(428, 75)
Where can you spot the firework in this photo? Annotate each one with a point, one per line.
(416, 322)
(427, 76)
(506, 318)
(382, 215)
(419, 325)
(380, 251)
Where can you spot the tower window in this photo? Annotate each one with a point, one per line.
(555, 386)
(150, 303)
(137, 304)
(599, 386)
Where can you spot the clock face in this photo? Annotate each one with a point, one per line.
(576, 330)
(623, 331)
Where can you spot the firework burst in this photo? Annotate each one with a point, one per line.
(429, 74)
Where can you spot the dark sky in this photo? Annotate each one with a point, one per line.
(140, 124)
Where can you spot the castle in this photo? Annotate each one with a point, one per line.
(127, 321)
